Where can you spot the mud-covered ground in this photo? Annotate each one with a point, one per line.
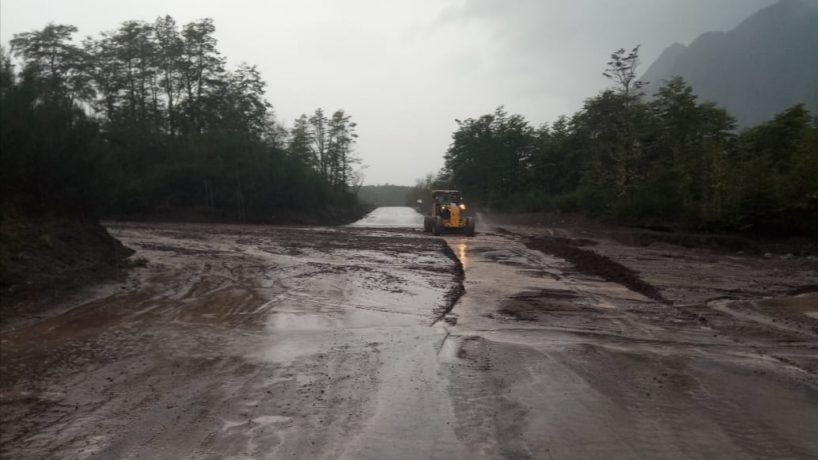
(272, 342)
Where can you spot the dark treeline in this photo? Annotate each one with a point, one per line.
(670, 160)
(384, 195)
(146, 120)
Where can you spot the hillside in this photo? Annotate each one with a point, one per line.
(760, 68)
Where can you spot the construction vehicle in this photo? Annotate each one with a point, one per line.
(448, 213)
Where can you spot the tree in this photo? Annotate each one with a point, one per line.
(778, 162)
(48, 143)
(146, 119)
(557, 165)
(672, 160)
(244, 108)
(169, 46)
(300, 144)
(133, 47)
(341, 138)
(489, 156)
(622, 70)
(320, 137)
(56, 65)
(201, 66)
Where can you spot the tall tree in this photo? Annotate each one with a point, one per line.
(320, 138)
(57, 65)
(134, 47)
(341, 138)
(622, 70)
(489, 155)
(169, 54)
(300, 144)
(244, 107)
(201, 69)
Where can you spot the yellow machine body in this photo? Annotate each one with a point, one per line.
(448, 213)
(454, 220)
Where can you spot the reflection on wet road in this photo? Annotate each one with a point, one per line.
(260, 342)
(462, 254)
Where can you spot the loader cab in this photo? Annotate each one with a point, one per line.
(442, 200)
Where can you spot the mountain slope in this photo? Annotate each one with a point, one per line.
(765, 65)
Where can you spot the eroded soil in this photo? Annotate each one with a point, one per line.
(271, 342)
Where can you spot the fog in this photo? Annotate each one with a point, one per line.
(405, 70)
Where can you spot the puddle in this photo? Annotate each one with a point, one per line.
(793, 314)
(290, 322)
(805, 304)
(391, 217)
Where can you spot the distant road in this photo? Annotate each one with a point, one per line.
(393, 217)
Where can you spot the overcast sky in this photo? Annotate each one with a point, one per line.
(405, 69)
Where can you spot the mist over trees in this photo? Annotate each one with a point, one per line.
(385, 195)
(147, 120)
(671, 160)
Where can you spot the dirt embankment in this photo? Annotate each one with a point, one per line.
(591, 263)
(43, 258)
(644, 236)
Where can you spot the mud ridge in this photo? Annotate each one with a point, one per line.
(456, 291)
(809, 289)
(45, 260)
(591, 263)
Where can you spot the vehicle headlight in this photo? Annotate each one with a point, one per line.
(463, 207)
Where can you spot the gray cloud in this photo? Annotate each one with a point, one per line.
(405, 69)
(548, 55)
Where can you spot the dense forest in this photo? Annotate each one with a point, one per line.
(670, 160)
(146, 121)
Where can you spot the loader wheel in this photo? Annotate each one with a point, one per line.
(438, 228)
(469, 226)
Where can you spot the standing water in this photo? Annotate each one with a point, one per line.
(391, 217)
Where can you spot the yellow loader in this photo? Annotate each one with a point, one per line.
(448, 213)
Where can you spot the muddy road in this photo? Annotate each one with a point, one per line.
(232, 341)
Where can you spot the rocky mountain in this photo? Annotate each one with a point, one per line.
(765, 65)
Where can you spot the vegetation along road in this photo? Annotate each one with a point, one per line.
(379, 341)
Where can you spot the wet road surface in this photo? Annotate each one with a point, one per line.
(391, 217)
(270, 342)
